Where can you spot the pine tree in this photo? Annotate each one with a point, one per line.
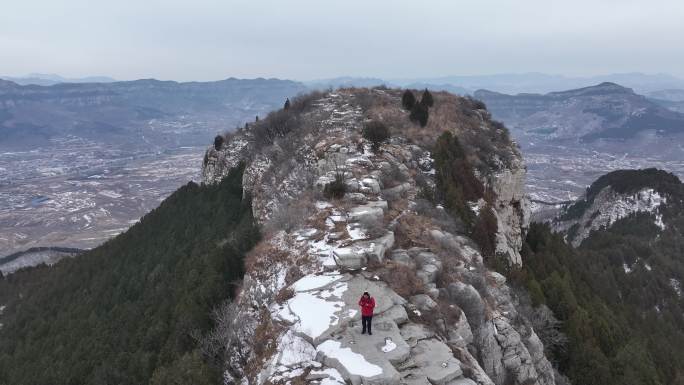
(419, 114)
(408, 100)
(218, 142)
(287, 104)
(427, 99)
(376, 132)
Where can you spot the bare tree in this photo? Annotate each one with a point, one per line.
(548, 327)
(227, 345)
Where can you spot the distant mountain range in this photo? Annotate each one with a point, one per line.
(657, 86)
(514, 83)
(52, 79)
(152, 111)
(604, 111)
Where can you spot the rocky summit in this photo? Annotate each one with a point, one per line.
(343, 214)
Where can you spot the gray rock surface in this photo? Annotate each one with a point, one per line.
(423, 302)
(436, 361)
(469, 300)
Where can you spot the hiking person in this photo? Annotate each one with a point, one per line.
(367, 304)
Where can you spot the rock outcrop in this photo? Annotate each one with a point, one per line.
(441, 318)
(609, 207)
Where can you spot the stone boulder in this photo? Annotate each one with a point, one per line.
(396, 192)
(436, 361)
(350, 258)
(402, 257)
(460, 334)
(423, 302)
(412, 333)
(469, 300)
(375, 249)
(365, 213)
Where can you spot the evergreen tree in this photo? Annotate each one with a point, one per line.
(427, 99)
(218, 142)
(287, 104)
(408, 100)
(419, 114)
(456, 182)
(376, 132)
(484, 231)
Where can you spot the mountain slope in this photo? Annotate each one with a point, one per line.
(618, 291)
(606, 111)
(126, 311)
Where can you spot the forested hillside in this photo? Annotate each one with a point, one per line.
(126, 312)
(618, 294)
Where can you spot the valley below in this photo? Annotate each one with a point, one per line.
(561, 173)
(74, 192)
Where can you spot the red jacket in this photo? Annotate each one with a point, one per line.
(367, 306)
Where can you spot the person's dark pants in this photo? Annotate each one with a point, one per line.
(366, 321)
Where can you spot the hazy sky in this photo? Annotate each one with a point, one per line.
(308, 39)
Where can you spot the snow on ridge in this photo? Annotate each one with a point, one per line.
(609, 207)
(645, 200)
(294, 351)
(316, 305)
(313, 281)
(354, 363)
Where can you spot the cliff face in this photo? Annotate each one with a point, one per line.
(441, 316)
(512, 210)
(619, 195)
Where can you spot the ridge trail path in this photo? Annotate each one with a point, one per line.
(323, 314)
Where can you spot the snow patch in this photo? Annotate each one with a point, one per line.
(311, 282)
(354, 363)
(294, 350)
(645, 200)
(389, 345)
(312, 313)
(356, 231)
(676, 286)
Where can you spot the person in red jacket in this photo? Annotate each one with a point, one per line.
(367, 304)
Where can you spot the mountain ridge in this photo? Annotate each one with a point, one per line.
(387, 233)
(604, 111)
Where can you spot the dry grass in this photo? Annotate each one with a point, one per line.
(284, 294)
(263, 255)
(260, 261)
(317, 221)
(481, 136)
(411, 231)
(293, 274)
(264, 344)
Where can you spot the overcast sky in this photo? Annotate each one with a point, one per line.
(309, 39)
